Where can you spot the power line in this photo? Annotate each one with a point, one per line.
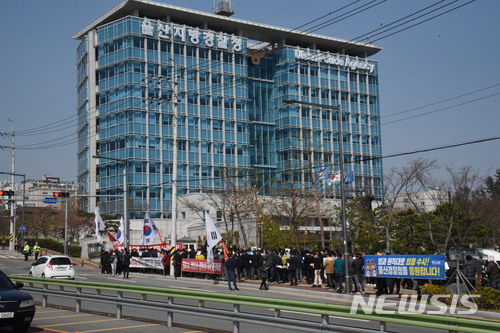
(442, 101)
(46, 127)
(442, 109)
(426, 20)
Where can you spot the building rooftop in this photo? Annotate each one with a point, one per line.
(243, 28)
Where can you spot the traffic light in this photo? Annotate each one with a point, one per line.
(63, 232)
(7, 193)
(61, 194)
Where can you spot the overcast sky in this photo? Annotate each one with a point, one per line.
(439, 80)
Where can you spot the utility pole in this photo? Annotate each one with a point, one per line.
(66, 225)
(13, 203)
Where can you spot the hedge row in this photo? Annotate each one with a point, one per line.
(55, 245)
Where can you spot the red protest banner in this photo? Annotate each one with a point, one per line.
(201, 266)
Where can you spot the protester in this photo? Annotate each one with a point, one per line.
(263, 274)
(358, 271)
(165, 261)
(126, 264)
(329, 271)
(177, 263)
(294, 264)
(231, 272)
(318, 266)
(112, 262)
(339, 266)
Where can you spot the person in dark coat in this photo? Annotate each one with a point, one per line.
(358, 270)
(231, 272)
(177, 264)
(293, 267)
(165, 260)
(126, 264)
(309, 268)
(254, 265)
(472, 270)
(263, 274)
(239, 264)
(245, 258)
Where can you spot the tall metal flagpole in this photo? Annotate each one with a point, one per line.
(342, 180)
(173, 233)
(126, 213)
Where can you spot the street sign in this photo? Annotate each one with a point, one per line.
(22, 228)
(50, 200)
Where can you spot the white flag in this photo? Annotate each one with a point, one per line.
(149, 231)
(99, 225)
(120, 236)
(213, 237)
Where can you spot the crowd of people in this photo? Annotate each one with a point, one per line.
(116, 262)
(318, 269)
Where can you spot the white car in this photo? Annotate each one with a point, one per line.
(54, 266)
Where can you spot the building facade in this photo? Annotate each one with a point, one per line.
(40, 192)
(151, 74)
(421, 201)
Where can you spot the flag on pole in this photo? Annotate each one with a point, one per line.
(349, 178)
(213, 237)
(111, 237)
(120, 236)
(335, 178)
(225, 250)
(99, 225)
(149, 231)
(322, 174)
(162, 239)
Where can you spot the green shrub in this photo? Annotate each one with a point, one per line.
(433, 289)
(75, 250)
(489, 300)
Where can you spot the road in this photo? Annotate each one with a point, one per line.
(95, 319)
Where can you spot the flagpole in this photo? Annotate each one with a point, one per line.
(175, 101)
(342, 180)
(125, 197)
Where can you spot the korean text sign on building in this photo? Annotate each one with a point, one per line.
(405, 266)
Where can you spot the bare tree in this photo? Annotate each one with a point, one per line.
(236, 201)
(294, 205)
(42, 222)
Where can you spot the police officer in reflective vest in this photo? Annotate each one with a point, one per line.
(26, 251)
(36, 250)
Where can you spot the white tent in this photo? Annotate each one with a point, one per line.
(489, 254)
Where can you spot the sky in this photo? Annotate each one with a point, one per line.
(439, 80)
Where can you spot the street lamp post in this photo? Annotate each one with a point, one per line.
(126, 214)
(342, 188)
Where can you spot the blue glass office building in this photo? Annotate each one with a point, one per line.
(226, 80)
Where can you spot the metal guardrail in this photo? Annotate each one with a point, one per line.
(139, 296)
